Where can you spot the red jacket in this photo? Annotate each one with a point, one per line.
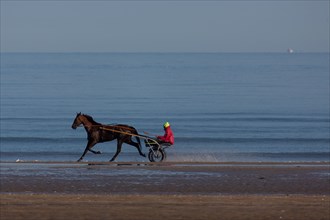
(168, 136)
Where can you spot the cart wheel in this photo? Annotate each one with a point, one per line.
(156, 155)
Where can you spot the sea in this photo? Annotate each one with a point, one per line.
(222, 107)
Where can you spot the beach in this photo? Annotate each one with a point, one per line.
(50, 206)
(165, 191)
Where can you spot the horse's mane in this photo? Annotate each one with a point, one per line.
(90, 118)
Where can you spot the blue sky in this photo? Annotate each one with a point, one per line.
(164, 26)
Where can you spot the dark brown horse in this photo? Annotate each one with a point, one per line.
(98, 133)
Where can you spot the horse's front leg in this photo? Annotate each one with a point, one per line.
(90, 144)
(119, 144)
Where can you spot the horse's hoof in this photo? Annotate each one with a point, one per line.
(98, 152)
(143, 155)
(79, 160)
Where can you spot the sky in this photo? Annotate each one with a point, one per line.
(164, 26)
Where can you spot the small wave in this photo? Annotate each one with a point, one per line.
(178, 139)
(172, 156)
(187, 118)
(39, 139)
(251, 140)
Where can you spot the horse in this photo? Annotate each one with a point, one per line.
(98, 133)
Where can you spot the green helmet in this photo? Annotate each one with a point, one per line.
(166, 124)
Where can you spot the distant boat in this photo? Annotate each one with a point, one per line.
(290, 50)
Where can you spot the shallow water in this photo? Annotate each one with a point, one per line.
(165, 179)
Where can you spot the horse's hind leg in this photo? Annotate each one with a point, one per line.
(90, 144)
(137, 145)
(119, 144)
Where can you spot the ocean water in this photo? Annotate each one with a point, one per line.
(242, 107)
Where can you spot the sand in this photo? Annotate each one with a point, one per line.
(169, 191)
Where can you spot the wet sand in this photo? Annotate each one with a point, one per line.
(169, 191)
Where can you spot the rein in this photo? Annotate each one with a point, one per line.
(101, 125)
(117, 131)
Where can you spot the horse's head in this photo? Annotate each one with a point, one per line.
(77, 121)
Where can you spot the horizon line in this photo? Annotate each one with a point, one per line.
(295, 52)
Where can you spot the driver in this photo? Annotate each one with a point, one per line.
(168, 136)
